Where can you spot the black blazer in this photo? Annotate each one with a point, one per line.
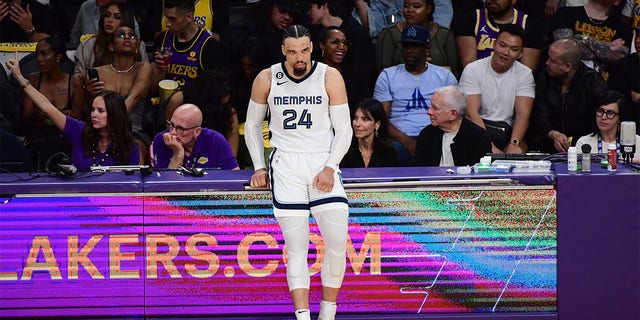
(469, 145)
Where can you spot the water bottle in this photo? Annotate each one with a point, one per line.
(572, 159)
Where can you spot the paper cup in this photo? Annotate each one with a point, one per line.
(167, 87)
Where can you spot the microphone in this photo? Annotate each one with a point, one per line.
(192, 170)
(196, 172)
(60, 165)
(627, 140)
(67, 170)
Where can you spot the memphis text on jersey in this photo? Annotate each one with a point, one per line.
(296, 100)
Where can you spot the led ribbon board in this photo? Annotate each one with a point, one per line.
(407, 252)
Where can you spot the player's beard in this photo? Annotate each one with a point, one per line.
(299, 72)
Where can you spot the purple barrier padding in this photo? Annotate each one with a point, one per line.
(172, 181)
(599, 244)
(480, 252)
(105, 182)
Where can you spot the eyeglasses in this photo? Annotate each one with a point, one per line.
(610, 113)
(179, 129)
(338, 42)
(126, 35)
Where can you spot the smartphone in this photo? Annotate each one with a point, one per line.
(93, 74)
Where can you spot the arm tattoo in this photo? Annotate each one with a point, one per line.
(601, 50)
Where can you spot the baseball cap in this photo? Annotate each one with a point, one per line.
(287, 5)
(415, 34)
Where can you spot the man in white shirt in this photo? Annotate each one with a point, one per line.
(500, 92)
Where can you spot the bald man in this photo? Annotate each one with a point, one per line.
(185, 143)
(567, 95)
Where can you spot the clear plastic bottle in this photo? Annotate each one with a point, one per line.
(572, 159)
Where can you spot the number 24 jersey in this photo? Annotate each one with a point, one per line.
(300, 110)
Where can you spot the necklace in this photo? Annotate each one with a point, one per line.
(594, 21)
(122, 71)
(96, 153)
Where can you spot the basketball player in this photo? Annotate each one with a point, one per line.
(310, 132)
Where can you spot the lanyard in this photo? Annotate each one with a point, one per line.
(600, 144)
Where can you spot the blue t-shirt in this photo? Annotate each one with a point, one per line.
(410, 95)
(211, 150)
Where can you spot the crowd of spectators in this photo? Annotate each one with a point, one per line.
(531, 74)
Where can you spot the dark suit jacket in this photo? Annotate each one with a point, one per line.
(469, 145)
(572, 113)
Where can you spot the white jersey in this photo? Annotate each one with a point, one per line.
(300, 110)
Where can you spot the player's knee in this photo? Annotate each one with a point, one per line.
(297, 266)
(335, 262)
(298, 273)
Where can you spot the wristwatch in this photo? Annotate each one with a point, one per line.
(31, 31)
(515, 141)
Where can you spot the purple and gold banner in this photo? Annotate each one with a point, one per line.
(407, 252)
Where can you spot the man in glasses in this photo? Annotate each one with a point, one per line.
(567, 95)
(185, 143)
